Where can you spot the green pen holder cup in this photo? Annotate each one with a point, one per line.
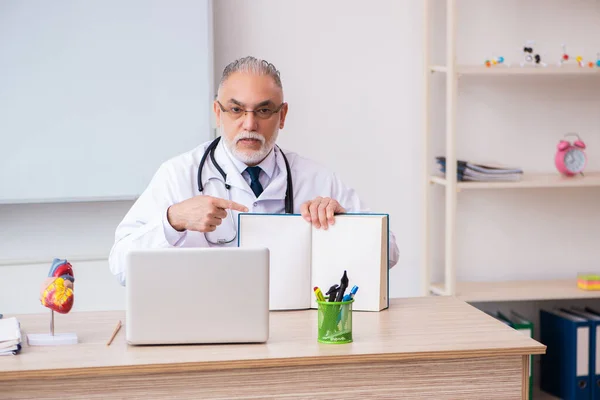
(334, 322)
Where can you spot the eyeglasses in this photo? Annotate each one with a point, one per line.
(263, 112)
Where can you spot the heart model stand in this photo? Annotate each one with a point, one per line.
(51, 339)
(57, 295)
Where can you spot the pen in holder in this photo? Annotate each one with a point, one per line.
(334, 321)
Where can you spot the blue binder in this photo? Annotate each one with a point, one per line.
(565, 368)
(594, 320)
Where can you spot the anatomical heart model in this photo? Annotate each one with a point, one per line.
(57, 294)
(57, 289)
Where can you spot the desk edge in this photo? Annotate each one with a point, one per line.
(137, 369)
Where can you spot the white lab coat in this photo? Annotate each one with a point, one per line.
(146, 224)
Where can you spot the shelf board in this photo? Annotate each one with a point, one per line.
(553, 180)
(439, 68)
(519, 290)
(516, 69)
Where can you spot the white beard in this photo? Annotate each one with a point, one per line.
(250, 157)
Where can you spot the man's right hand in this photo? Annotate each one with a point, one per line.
(201, 213)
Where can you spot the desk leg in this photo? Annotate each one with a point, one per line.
(526, 384)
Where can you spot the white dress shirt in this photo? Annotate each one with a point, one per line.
(267, 166)
(146, 225)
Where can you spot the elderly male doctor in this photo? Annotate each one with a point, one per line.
(181, 209)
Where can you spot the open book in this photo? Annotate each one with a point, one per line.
(302, 257)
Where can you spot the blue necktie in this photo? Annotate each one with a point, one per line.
(255, 185)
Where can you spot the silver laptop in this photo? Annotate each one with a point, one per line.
(197, 295)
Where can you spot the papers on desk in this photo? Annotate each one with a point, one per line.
(10, 336)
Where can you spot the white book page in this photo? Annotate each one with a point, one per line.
(355, 243)
(288, 239)
(10, 331)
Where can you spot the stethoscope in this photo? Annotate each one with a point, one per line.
(210, 150)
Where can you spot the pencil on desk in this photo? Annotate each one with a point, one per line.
(114, 333)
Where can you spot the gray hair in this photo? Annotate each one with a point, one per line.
(252, 65)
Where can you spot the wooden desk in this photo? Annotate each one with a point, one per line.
(429, 347)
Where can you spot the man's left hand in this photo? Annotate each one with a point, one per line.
(320, 211)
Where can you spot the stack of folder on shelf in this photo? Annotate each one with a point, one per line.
(523, 325)
(469, 171)
(569, 369)
(10, 336)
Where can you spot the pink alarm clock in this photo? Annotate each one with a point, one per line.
(570, 157)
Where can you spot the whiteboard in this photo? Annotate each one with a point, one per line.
(95, 95)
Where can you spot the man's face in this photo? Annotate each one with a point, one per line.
(250, 136)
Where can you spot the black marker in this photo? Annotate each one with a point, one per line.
(332, 292)
(343, 286)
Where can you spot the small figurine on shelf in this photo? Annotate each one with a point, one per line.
(529, 57)
(494, 61)
(56, 294)
(596, 63)
(565, 57)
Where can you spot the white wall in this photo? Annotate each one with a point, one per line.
(351, 72)
(31, 235)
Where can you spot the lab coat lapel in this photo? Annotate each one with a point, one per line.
(278, 185)
(234, 178)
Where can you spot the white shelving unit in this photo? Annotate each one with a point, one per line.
(482, 291)
(529, 181)
(492, 292)
(559, 289)
(500, 70)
